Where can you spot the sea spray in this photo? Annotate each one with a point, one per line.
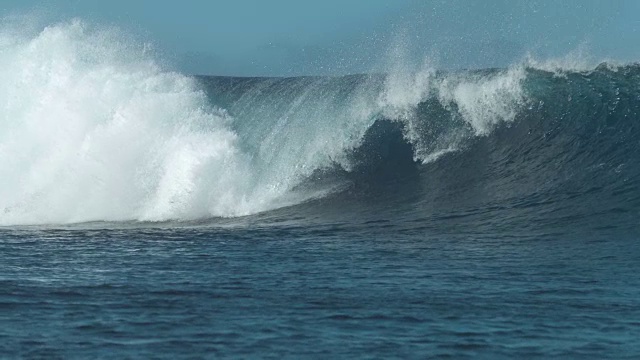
(94, 129)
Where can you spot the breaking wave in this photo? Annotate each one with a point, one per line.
(92, 128)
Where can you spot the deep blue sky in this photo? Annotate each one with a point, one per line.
(292, 37)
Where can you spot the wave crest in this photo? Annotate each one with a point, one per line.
(92, 128)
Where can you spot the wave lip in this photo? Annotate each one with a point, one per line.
(524, 145)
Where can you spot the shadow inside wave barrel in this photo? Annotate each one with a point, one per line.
(567, 165)
(385, 160)
(568, 162)
(383, 176)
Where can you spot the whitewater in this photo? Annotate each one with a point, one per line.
(411, 212)
(94, 129)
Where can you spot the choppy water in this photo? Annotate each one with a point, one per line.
(331, 290)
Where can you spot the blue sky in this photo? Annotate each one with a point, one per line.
(293, 37)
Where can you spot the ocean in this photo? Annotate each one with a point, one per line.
(412, 213)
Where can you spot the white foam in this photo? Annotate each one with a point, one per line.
(91, 128)
(485, 100)
(482, 100)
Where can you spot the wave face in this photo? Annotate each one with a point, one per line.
(93, 129)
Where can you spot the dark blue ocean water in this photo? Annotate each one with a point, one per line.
(336, 290)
